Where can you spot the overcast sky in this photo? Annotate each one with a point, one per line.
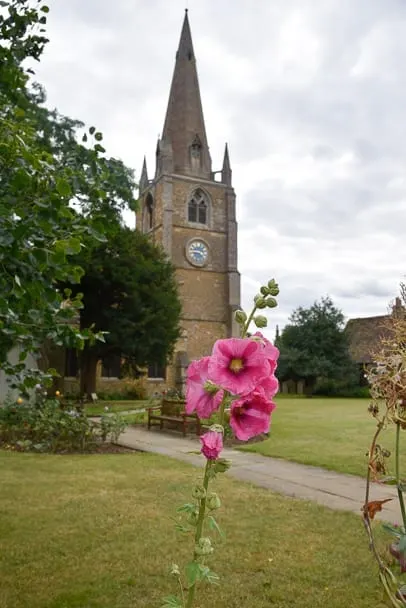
(309, 94)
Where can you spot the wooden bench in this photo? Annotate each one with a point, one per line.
(172, 411)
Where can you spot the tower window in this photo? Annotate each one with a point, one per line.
(197, 207)
(148, 212)
(196, 147)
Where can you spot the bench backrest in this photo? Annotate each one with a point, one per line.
(172, 407)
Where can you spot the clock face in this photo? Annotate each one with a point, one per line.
(198, 253)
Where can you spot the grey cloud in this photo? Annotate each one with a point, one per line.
(292, 115)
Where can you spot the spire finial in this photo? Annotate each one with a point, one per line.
(226, 172)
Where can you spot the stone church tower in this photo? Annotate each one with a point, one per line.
(190, 211)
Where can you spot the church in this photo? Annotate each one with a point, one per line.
(190, 211)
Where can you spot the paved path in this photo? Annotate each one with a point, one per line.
(333, 490)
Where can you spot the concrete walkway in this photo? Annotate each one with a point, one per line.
(333, 490)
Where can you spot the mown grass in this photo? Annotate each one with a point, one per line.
(95, 532)
(97, 409)
(331, 433)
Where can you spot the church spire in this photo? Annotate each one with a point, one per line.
(226, 172)
(144, 176)
(184, 133)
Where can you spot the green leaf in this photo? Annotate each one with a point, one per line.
(63, 187)
(98, 136)
(209, 575)
(45, 9)
(392, 530)
(99, 148)
(193, 573)
(402, 543)
(84, 138)
(92, 130)
(172, 602)
(187, 508)
(214, 526)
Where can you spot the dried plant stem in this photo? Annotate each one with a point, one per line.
(397, 473)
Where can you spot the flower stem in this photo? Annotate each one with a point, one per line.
(222, 409)
(397, 472)
(247, 324)
(199, 530)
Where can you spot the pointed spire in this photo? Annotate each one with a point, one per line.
(226, 172)
(184, 121)
(144, 176)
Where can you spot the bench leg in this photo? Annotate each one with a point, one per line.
(184, 427)
(161, 424)
(198, 429)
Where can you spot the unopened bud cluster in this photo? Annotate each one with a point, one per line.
(265, 299)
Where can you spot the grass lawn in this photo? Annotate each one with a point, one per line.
(95, 532)
(115, 406)
(331, 433)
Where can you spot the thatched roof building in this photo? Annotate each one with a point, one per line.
(365, 334)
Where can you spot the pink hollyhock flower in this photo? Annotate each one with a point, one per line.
(270, 384)
(202, 396)
(238, 364)
(251, 414)
(212, 444)
(270, 351)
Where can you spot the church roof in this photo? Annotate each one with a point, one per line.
(184, 121)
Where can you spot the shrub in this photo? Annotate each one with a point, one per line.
(46, 426)
(334, 388)
(112, 426)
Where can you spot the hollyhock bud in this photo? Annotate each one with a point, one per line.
(260, 302)
(240, 316)
(260, 321)
(271, 302)
(212, 444)
(199, 492)
(273, 287)
(213, 501)
(264, 290)
(204, 547)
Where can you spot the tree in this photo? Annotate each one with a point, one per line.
(129, 291)
(313, 346)
(43, 171)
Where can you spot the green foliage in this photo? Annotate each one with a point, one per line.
(337, 388)
(112, 426)
(129, 290)
(47, 426)
(43, 170)
(313, 346)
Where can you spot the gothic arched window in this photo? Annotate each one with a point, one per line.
(198, 207)
(148, 212)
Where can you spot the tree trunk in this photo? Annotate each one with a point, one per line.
(88, 368)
